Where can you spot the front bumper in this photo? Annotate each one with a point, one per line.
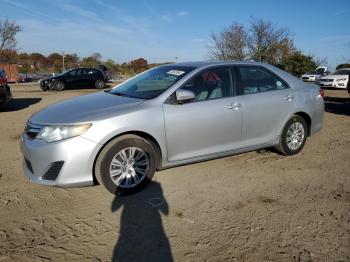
(342, 84)
(77, 154)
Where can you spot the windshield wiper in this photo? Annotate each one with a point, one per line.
(117, 93)
(122, 94)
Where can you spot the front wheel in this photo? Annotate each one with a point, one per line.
(59, 86)
(293, 136)
(126, 165)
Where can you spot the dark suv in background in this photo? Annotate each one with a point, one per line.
(5, 92)
(75, 78)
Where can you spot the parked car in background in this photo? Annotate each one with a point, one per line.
(338, 79)
(168, 116)
(5, 91)
(78, 77)
(315, 75)
(28, 78)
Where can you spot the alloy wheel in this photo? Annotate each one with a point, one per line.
(129, 167)
(295, 136)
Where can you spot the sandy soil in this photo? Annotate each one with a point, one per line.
(257, 206)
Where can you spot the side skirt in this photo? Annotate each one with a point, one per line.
(218, 155)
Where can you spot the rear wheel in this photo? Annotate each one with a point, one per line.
(99, 84)
(126, 165)
(293, 136)
(59, 86)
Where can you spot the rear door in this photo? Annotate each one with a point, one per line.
(267, 101)
(89, 76)
(210, 124)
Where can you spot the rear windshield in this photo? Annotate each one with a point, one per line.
(151, 83)
(2, 73)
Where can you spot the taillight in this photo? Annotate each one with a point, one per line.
(321, 92)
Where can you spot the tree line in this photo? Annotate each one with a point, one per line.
(57, 62)
(264, 42)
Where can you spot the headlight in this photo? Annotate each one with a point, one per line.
(56, 133)
(340, 79)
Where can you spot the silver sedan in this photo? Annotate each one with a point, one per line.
(168, 116)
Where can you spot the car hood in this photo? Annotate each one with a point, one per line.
(335, 77)
(51, 78)
(86, 108)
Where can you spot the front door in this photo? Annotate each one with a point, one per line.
(74, 78)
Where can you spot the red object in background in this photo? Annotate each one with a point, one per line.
(3, 79)
(11, 71)
(321, 92)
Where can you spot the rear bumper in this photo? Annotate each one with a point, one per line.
(77, 154)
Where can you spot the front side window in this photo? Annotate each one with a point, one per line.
(211, 84)
(254, 80)
(74, 72)
(151, 83)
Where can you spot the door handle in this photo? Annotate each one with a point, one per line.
(235, 106)
(289, 98)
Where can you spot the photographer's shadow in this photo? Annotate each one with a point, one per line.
(142, 236)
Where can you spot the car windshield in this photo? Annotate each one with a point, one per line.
(60, 74)
(341, 72)
(151, 83)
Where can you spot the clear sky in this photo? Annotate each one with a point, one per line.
(160, 30)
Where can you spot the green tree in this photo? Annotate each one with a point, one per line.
(92, 61)
(71, 60)
(298, 63)
(112, 66)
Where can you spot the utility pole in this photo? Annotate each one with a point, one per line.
(64, 69)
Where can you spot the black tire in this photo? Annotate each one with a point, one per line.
(104, 159)
(59, 86)
(99, 84)
(283, 147)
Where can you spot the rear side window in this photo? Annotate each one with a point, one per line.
(88, 71)
(211, 84)
(255, 80)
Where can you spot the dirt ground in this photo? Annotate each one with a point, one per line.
(257, 206)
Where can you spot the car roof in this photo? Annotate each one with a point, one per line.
(84, 68)
(217, 62)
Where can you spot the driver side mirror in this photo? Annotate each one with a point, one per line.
(184, 96)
